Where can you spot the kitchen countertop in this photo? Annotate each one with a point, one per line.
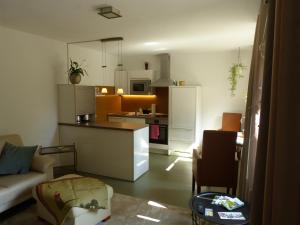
(133, 115)
(108, 125)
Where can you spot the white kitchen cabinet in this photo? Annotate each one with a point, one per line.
(183, 107)
(101, 149)
(121, 81)
(85, 100)
(75, 100)
(184, 118)
(141, 74)
(126, 119)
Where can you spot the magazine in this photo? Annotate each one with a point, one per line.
(227, 202)
(231, 216)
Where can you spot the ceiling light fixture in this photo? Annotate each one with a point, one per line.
(109, 12)
(161, 49)
(120, 51)
(151, 43)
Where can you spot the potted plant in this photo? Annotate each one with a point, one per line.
(75, 72)
(236, 71)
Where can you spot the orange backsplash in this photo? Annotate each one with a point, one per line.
(162, 100)
(132, 103)
(107, 104)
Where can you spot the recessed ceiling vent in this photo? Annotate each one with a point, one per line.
(109, 12)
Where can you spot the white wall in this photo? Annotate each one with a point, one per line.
(91, 61)
(30, 66)
(133, 62)
(211, 71)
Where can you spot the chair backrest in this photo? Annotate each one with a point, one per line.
(231, 121)
(218, 165)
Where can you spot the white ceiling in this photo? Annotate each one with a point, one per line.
(169, 25)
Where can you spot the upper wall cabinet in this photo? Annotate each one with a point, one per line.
(141, 74)
(84, 100)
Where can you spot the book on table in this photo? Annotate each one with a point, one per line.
(227, 202)
(231, 216)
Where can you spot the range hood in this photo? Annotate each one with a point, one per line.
(164, 80)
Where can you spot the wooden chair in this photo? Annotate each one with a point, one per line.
(216, 164)
(231, 121)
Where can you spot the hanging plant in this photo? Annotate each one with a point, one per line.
(236, 71)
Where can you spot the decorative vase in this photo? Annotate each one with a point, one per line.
(146, 65)
(75, 78)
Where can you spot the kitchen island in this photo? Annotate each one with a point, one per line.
(114, 149)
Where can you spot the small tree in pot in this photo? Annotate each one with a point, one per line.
(75, 72)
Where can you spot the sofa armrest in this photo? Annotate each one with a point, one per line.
(110, 191)
(43, 164)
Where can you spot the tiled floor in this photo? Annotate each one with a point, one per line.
(171, 186)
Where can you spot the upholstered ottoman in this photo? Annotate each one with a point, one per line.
(76, 215)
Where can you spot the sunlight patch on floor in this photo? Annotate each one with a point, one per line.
(183, 159)
(148, 218)
(156, 204)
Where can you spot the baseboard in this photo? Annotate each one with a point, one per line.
(181, 154)
(159, 151)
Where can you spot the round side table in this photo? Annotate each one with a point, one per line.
(198, 203)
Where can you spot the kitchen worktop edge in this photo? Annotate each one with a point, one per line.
(143, 116)
(108, 125)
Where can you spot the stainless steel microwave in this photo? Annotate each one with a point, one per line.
(140, 87)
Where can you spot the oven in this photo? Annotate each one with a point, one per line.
(140, 87)
(158, 130)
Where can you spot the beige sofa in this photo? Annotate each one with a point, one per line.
(15, 189)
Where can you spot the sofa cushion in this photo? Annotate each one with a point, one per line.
(16, 186)
(2, 142)
(11, 138)
(16, 159)
(5, 195)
